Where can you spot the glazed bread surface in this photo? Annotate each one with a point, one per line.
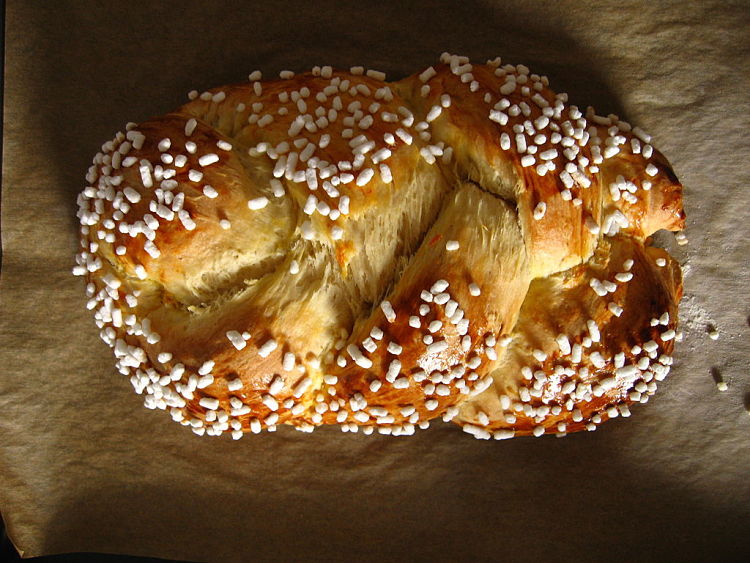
(332, 248)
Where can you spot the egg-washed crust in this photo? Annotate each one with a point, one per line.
(589, 341)
(331, 248)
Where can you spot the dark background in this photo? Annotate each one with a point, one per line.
(8, 553)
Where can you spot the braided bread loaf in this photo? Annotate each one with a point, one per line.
(333, 248)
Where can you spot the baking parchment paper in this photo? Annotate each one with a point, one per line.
(84, 467)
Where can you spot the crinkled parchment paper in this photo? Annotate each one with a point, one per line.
(84, 467)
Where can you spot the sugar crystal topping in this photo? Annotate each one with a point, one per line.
(548, 138)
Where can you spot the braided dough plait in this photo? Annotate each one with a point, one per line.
(332, 248)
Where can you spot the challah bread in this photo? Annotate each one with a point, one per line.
(333, 248)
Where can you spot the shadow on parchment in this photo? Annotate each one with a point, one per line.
(124, 65)
(546, 499)
(522, 500)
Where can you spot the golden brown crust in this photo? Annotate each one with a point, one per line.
(562, 374)
(432, 349)
(333, 248)
(570, 178)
